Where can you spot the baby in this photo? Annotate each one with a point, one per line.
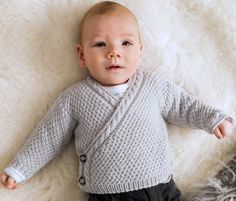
(118, 117)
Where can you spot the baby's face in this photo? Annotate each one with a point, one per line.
(111, 47)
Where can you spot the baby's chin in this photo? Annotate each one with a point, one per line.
(113, 82)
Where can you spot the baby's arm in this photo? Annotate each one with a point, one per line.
(49, 138)
(181, 108)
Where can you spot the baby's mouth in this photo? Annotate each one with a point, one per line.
(114, 67)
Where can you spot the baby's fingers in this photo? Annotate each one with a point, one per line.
(8, 182)
(11, 184)
(4, 179)
(226, 128)
(218, 133)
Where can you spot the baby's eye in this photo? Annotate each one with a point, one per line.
(127, 43)
(100, 44)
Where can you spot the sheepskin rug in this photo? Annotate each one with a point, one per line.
(192, 42)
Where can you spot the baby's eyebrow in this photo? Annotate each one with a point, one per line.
(93, 39)
(128, 35)
(122, 35)
(131, 36)
(96, 35)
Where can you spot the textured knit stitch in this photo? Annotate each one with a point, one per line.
(118, 90)
(122, 144)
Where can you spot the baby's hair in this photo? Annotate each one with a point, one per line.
(102, 8)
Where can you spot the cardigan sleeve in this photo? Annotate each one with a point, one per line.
(181, 108)
(48, 139)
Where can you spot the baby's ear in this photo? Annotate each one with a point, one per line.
(141, 46)
(80, 53)
(141, 49)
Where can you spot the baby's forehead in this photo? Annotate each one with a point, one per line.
(95, 18)
(120, 22)
(112, 13)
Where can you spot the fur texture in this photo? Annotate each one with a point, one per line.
(221, 187)
(192, 42)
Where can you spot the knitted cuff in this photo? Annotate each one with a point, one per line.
(15, 174)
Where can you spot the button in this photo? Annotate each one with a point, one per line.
(83, 158)
(82, 180)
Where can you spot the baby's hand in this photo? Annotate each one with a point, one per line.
(7, 181)
(224, 129)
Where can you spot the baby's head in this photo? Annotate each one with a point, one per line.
(110, 45)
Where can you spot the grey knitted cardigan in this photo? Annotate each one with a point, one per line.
(122, 144)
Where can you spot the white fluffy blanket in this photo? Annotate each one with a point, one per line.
(192, 42)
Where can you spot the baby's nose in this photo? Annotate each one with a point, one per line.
(114, 53)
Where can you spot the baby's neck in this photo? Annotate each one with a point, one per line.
(113, 85)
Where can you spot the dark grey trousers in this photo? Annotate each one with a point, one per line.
(161, 192)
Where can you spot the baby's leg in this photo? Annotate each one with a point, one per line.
(161, 192)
